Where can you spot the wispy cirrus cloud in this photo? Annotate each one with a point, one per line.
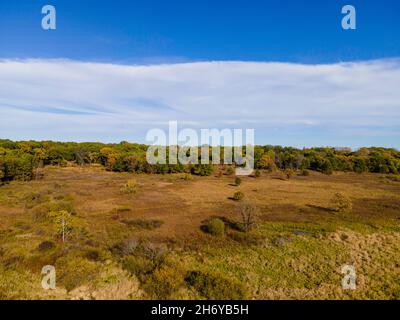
(293, 104)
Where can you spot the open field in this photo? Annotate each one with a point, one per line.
(296, 251)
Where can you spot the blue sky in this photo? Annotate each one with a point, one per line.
(180, 30)
(349, 82)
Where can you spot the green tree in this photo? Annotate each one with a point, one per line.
(327, 167)
(266, 162)
(2, 173)
(359, 165)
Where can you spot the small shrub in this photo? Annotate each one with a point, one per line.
(125, 248)
(248, 239)
(186, 177)
(130, 187)
(156, 253)
(289, 173)
(281, 241)
(64, 206)
(141, 248)
(79, 233)
(230, 171)
(35, 198)
(342, 203)
(164, 282)
(238, 196)
(257, 173)
(216, 287)
(93, 255)
(248, 215)
(63, 202)
(13, 284)
(202, 169)
(41, 206)
(238, 181)
(36, 262)
(46, 245)
(40, 212)
(73, 272)
(305, 172)
(216, 227)
(138, 265)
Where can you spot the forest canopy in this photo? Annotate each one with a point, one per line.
(22, 160)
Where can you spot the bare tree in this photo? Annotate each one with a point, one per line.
(248, 215)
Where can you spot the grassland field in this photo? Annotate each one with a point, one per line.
(150, 244)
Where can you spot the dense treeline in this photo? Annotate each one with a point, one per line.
(23, 160)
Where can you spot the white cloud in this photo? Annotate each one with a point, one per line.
(70, 100)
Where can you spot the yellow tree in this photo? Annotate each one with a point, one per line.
(266, 162)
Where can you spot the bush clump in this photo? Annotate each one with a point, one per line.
(187, 177)
(130, 187)
(164, 282)
(305, 172)
(248, 239)
(230, 171)
(342, 203)
(125, 248)
(289, 173)
(35, 198)
(147, 262)
(202, 169)
(216, 227)
(257, 173)
(216, 287)
(238, 181)
(62, 202)
(141, 248)
(93, 255)
(73, 272)
(238, 196)
(40, 212)
(46, 245)
(138, 266)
